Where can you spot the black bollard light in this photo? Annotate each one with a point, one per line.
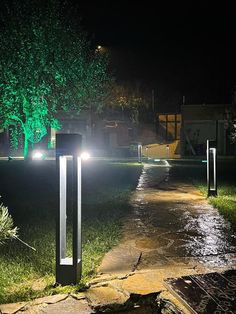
(211, 168)
(68, 257)
(140, 153)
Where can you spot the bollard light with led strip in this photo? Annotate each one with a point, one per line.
(211, 168)
(140, 148)
(68, 256)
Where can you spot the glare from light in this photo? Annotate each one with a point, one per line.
(85, 156)
(167, 164)
(37, 155)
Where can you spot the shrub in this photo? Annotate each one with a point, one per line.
(7, 230)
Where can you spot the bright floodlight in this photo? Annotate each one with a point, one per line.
(85, 156)
(37, 155)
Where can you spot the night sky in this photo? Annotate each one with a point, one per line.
(174, 47)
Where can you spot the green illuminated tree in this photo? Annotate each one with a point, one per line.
(46, 65)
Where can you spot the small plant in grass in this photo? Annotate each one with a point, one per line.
(7, 229)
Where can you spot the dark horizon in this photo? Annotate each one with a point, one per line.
(175, 48)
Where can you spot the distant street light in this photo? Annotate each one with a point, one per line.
(101, 49)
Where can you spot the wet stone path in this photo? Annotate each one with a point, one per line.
(172, 224)
(171, 232)
(171, 219)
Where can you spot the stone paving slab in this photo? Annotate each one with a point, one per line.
(68, 306)
(32, 306)
(50, 299)
(11, 308)
(123, 258)
(106, 297)
(143, 283)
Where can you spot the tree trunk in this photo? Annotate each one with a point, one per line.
(26, 148)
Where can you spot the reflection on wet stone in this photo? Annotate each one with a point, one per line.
(176, 219)
(171, 232)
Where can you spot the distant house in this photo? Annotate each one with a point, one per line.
(202, 122)
(105, 135)
(168, 137)
(193, 126)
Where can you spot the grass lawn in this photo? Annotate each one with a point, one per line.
(30, 192)
(225, 202)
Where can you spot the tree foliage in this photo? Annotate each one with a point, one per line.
(230, 117)
(130, 100)
(231, 122)
(46, 65)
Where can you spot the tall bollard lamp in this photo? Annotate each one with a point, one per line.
(140, 153)
(211, 168)
(68, 255)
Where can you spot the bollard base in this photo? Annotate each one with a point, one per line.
(68, 274)
(212, 193)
